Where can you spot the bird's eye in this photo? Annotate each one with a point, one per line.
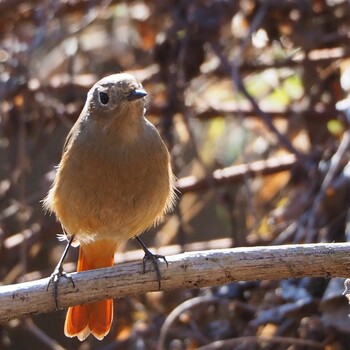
(104, 98)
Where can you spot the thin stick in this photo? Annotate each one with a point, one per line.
(236, 173)
(261, 339)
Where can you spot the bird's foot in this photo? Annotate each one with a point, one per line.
(58, 272)
(154, 259)
(54, 279)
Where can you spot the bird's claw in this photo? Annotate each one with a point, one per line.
(154, 259)
(54, 279)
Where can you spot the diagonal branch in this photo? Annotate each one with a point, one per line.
(188, 270)
(233, 68)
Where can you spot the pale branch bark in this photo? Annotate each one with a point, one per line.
(236, 173)
(188, 270)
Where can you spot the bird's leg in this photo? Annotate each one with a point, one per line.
(153, 257)
(58, 272)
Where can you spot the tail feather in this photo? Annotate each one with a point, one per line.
(100, 324)
(77, 322)
(97, 317)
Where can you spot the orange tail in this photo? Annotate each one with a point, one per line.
(95, 318)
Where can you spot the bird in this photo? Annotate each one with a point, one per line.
(114, 181)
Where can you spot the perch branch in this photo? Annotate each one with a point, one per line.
(187, 270)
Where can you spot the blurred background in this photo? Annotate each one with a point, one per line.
(251, 99)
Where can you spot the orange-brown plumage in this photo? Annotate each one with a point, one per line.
(113, 182)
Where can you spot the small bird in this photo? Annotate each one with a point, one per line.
(113, 182)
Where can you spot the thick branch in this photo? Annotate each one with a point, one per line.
(188, 270)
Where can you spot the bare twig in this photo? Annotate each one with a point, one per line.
(232, 109)
(188, 270)
(36, 332)
(236, 173)
(201, 300)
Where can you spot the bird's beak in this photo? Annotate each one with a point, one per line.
(136, 94)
